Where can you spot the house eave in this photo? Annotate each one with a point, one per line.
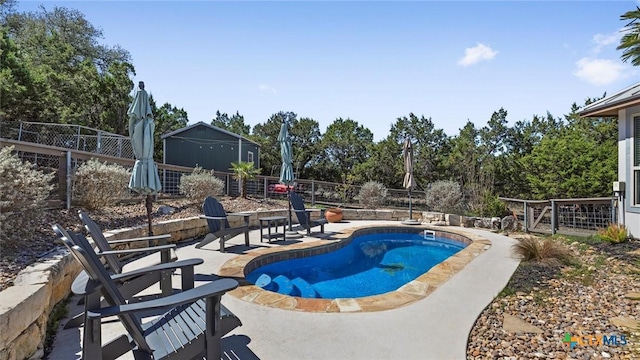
(610, 109)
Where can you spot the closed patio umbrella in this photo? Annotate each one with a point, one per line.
(286, 171)
(144, 177)
(409, 181)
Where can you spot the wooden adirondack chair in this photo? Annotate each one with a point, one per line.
(111, 256)
(219, 224)
(304, 215)
(133, 282)
(190, 327)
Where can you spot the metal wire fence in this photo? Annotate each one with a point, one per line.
(83, 143)
(568, 216)
(113, 148)
(68, 136)
(65, 162)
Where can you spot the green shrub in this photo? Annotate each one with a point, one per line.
(614, 233)
(372, 195)
(493, 206)
(547, 251)
(345, 192)
(200, 184)
(444, 196)
(97, 185)
(23, 194)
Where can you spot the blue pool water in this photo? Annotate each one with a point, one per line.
(370, 265)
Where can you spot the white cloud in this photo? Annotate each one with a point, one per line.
(476, 54)
(267, 89)
(599, 71)
(602, 40)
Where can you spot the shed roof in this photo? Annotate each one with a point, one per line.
(201, 123)
(610, 105)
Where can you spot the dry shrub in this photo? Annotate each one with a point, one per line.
(372, 195)
(23, 194)
(444, 196)
(98, 184)
(200, 184)
(614, 233)
(547, 251)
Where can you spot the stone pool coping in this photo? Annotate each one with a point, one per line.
(409, 293)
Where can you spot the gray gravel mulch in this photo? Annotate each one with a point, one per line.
(579, 300)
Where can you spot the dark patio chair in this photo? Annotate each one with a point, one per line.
(189, 327)
(304, 215)
(112, 256)
(135, 281)
(219, 224)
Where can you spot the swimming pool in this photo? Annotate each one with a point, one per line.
(370, 264)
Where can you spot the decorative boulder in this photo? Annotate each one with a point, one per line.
(468, 221)
(509, 223)
(485, 223)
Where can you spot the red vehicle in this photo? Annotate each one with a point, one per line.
(280, 188)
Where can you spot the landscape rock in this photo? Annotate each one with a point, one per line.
(625, 322)
(633, 296)
(509, 223)
(513, 324)
(166, 210)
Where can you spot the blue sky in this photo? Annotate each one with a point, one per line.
(369, 61)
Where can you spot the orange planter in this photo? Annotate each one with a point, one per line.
(333, 214)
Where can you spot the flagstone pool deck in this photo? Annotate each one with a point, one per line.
(429, 318)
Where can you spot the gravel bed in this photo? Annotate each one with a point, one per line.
(132, 214)
(579, 299)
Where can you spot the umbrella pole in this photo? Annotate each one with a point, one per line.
(165, 255)
(149, 201)
(289, 201)
(410, 209)
(410, 220)
(290, 233)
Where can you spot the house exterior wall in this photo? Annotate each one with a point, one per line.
(208, 148)
(629, 213)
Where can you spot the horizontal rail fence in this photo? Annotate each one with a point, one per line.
(65, 161)
(75, 137)
(582, 216)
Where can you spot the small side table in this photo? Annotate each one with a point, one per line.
(273, 221)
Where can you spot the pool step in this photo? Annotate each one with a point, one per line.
(284, 284)
(264, 281)
(305, 289)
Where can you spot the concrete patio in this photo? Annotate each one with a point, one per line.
(435, 327)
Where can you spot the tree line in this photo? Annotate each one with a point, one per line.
(54, 69)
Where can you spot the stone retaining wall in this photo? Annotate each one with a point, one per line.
(25, 307)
